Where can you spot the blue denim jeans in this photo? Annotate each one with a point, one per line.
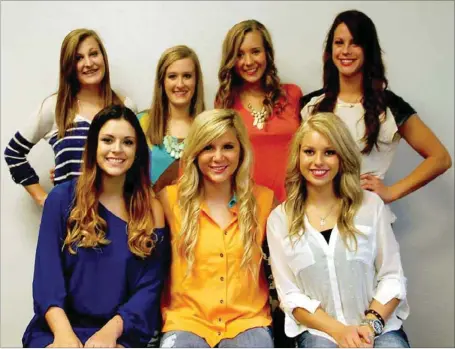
(258, 337)
(392, 339)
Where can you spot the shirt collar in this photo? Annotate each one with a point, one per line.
(231, 205)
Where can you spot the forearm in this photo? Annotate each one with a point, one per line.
(427, 170)
(114, 326)
(319, 320)
(58, 322)
(37, 192)
(385, 310)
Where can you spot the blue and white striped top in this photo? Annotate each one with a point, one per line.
(67, 150)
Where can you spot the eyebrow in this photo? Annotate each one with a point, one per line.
(185, 72)
(110, 135)
(310, 146)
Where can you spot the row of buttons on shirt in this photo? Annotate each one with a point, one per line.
(222, 279)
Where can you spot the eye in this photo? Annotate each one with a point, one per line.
(308, 151)
(207, 147)
(94, 53)
(78, 58)
(228, 146)
(128, 142)
(171, 76)
(330, 152)
(338, 42)
(106, 140)
(188, 76)
(240, 55)
(256, 52)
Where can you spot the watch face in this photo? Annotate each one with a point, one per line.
(377, 326)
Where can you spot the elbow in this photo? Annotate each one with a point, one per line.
(445, 162)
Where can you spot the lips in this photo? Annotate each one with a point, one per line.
(218, 169)
(115, 161)
(347, 62)
(90, 72)
(251, 71)
(319, 173)
(180, 93)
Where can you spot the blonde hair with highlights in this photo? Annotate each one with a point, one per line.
(346, 182)
(228, 78)
(159, 110)
(69, 86)
(207, 127)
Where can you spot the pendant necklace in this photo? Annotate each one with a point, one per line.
(322, 219)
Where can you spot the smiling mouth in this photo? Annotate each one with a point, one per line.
(115, 161)
(319, 173)
(346, 62)
(251, 71)
(218, 169)
(91, 72)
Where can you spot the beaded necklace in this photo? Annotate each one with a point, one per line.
(173, 147)
(259, 116)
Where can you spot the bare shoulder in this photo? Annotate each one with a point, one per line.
(158, 213)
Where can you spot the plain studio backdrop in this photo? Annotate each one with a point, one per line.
(418, 42)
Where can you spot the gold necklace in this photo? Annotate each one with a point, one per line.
(342, 103)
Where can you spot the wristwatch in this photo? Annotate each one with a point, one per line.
(375, 324)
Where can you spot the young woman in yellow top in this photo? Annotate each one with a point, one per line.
(218, 293)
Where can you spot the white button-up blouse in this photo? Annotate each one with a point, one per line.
(310, 273)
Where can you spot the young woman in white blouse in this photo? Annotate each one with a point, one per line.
(334, 256)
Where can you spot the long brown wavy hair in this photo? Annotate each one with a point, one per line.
(69, 85)
(229, 80)
(85, 227)
(207, 127)
(346, 182)
(159, 110)
(365, 35)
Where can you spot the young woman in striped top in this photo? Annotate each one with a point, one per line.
(63, 119)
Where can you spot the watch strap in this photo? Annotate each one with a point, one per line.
(375, 313)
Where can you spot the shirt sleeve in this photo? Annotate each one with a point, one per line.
(141, 313)
(306, 103)
(289, 293)
(391, 281)
(401, 110)
(49, 288)
(37, 126)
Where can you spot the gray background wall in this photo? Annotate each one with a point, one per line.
(418, 40)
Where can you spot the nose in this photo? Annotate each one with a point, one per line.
(346, 49)
(116, 147)
(87, 61)
(218, 155)
(180, 82)
(248, 59)
(319, 159)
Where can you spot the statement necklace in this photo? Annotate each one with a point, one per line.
(259, 116)
(173, 147)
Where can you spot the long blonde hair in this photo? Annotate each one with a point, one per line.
(207, 127)
(159, 110)
(69, 86)
(228, 78)
(346, 182)
(85, 227)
